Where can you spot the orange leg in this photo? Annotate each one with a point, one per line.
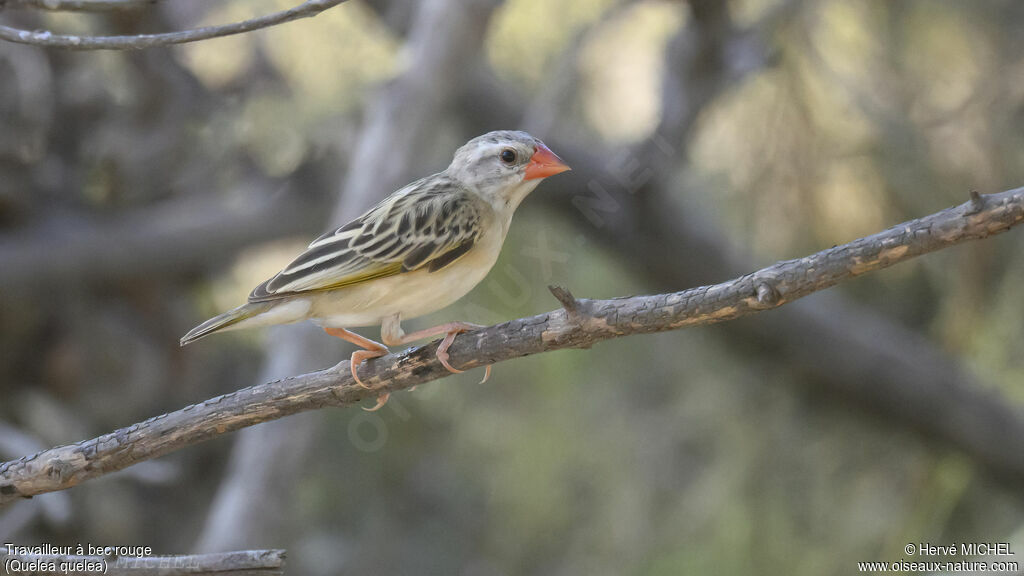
(370, 349)
(393, 335)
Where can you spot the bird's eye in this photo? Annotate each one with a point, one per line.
(508, 156)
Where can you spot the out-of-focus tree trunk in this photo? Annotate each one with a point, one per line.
(248, 508)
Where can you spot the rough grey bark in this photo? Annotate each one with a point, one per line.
(579, 324)
(241, 563)
(54, 508)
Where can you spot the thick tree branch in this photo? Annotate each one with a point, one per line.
(241, 563)
(47, 39)
(586, 323)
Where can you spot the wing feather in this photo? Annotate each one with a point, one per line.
(432, 222)
(450, 256)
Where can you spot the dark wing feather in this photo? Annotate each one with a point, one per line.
(432, 222)
(450, 256)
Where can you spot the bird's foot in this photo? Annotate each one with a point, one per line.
(357, 358)
(381, 401)
(449, 338)
(371, 349)
(360, 356)
(442, 350)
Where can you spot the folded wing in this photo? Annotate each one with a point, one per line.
(429, 224)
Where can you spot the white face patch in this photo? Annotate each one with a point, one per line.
(484, 165)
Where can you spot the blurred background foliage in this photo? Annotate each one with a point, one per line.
(690, 452)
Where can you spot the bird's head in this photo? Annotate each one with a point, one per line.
(504, 166)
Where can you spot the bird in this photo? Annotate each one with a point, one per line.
(417, 251)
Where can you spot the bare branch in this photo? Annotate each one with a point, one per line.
(82, 5)
(55, 508)
(596, 320)
(47, 39)
(241, 563)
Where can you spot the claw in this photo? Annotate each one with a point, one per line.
(381, 401)
(370, 349)
(487, 373)
(442, 350)
(442, 355)
(360, 356)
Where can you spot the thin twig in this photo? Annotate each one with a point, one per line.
(47, 39)
(65, 466)
(245, 562)
(81, 5)
(564, 296)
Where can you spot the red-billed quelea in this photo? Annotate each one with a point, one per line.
(419, 250)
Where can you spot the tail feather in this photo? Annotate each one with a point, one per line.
(225, 320)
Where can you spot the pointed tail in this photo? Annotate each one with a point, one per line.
(225, 320)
